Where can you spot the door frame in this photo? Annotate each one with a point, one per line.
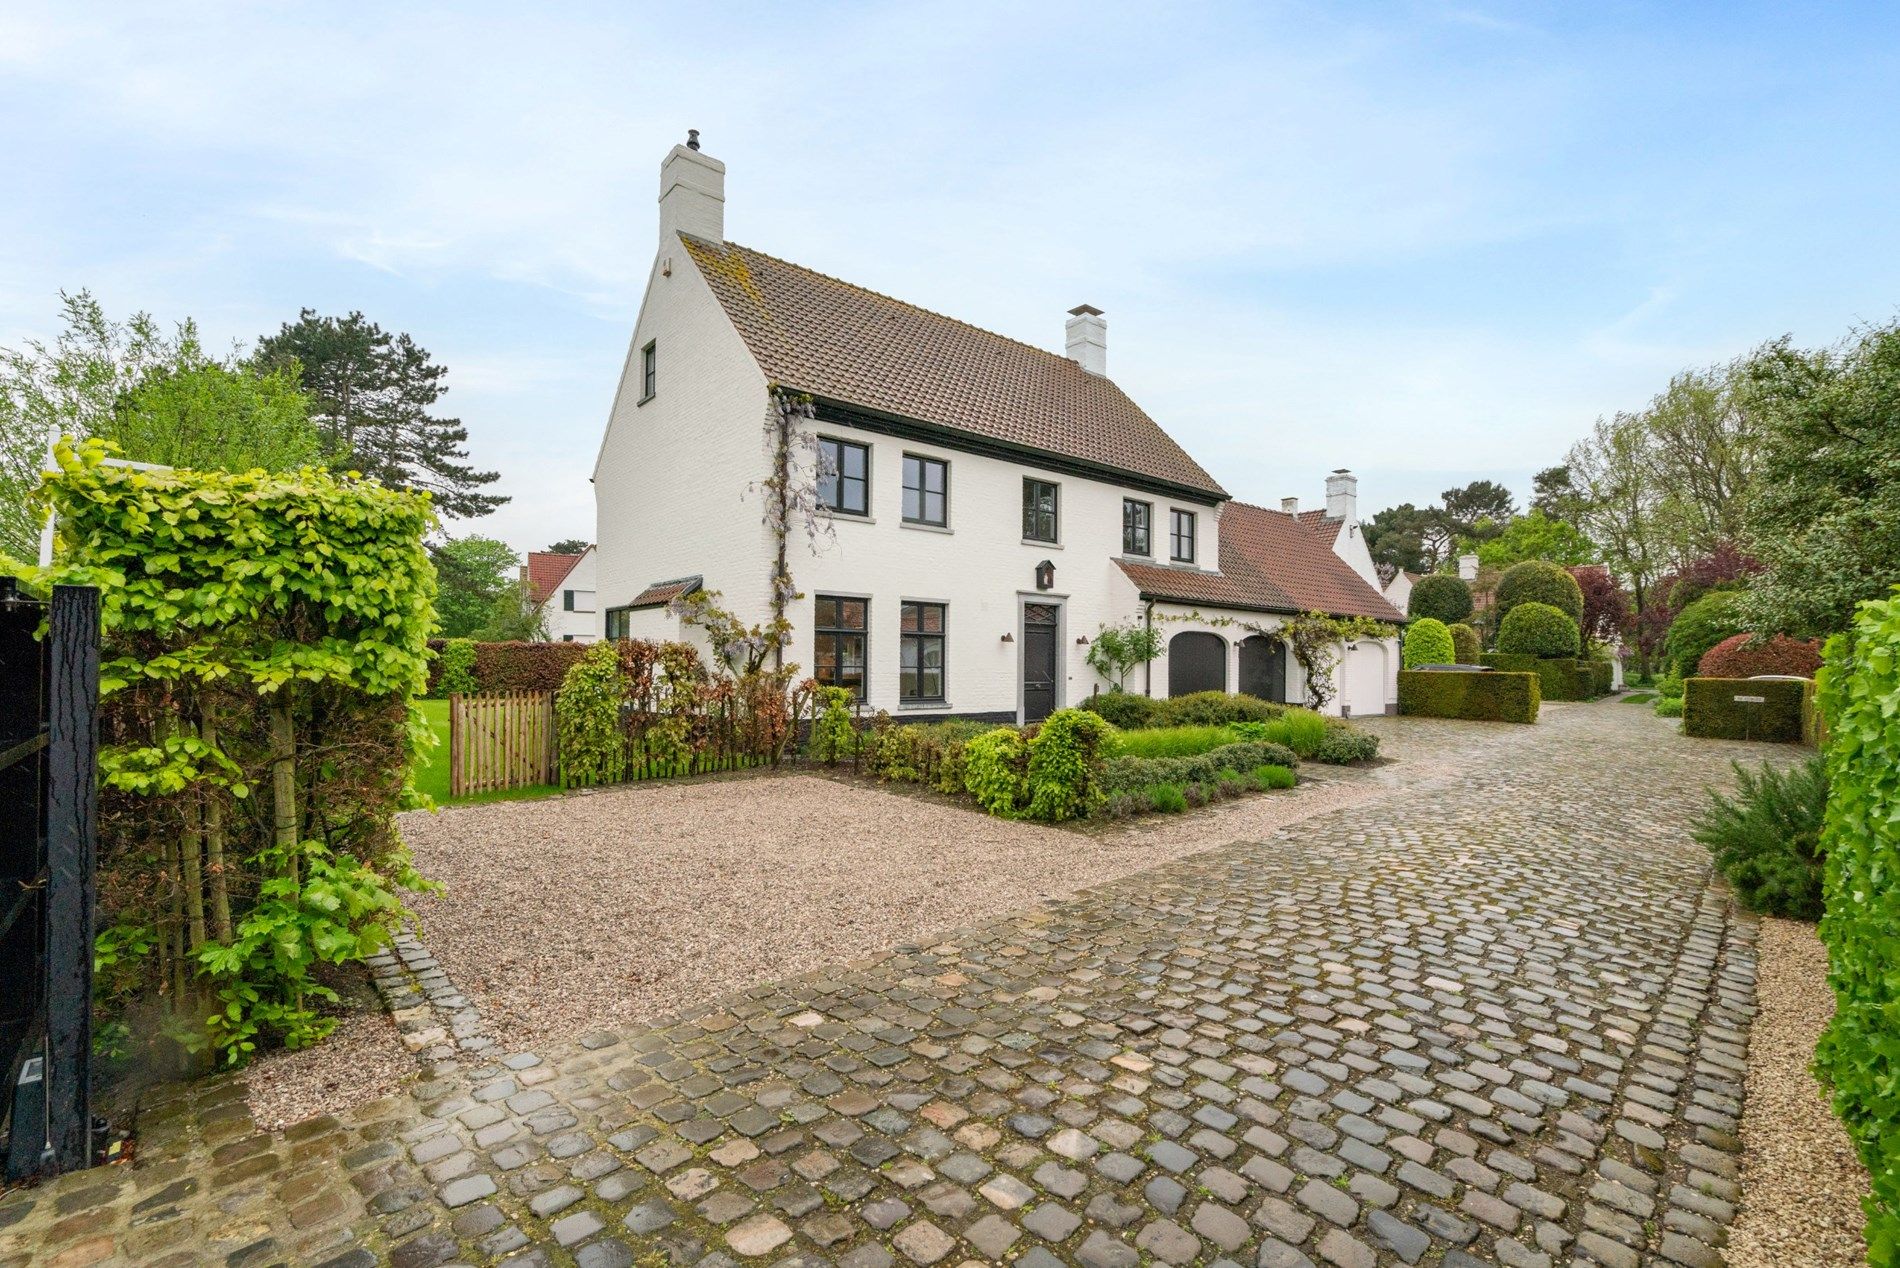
(1061, 604)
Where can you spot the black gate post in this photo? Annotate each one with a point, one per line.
(71, 834)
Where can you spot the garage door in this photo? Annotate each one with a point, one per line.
(1196, 662)
(1363, 680)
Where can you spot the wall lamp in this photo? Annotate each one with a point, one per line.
(1009, 638)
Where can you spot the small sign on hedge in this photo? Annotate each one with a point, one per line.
(1744, 709)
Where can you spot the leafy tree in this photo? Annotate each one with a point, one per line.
(93, 380)
(568, 546)
(515, 617)
(1702, 444)
(212, 416)
(1118, 649)
(1824, 514)
(1537, 536)
(1408, 538)
(1440, 597)
(473, 575)
(1606, 607)
(1478, 510)
(1537, 582)
(1614, 471)
(371, 393)
(1555, 496)
(1700, 626)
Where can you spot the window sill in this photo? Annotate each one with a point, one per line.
(1030, 541)
(1134, 558)
(851, 517)
(643, 400)
(927, 528)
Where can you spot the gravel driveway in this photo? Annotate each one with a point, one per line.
(601, 909)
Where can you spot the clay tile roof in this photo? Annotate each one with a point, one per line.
(1269, 562)
(1327, 529)
(546, 572)
(660, 592)
(838, 341)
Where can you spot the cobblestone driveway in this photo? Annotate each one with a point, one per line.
(1497, 1017)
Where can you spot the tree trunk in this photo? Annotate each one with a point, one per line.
(191, 844)
(283, 776)
(214, 846)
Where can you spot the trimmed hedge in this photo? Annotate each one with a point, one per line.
(1465, 643)
(1745, 656)
(1131, 712)
(1428, 642)
(1539, 581)
(1559, 678)
(1859, 1052)
(1483, 697)
(1710, 710)
(1126, 774)
(1440, 596)
(1539, 629)
(511, 666)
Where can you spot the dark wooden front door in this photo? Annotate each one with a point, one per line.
(1039, 660)
(1263, 668)
(1197, 661)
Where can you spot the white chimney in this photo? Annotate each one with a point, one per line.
(692, 193)
(1088, 338)
(1342, 495)
(1290, 506)
(1467, 567)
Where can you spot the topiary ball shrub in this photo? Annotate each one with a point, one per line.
(1767, 838)
(1538, 629)
(1124, 709)
(1535, 581)
(1441, 597)
(1699, 627)
(1743, 656)
(1428, 642)
(1466, 644)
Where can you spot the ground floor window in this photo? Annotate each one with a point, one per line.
(619, 622)
(920, 656)
(838, 632)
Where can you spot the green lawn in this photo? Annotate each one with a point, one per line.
(432, 777)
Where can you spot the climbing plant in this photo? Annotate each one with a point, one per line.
(1315, 640)
(265, 636)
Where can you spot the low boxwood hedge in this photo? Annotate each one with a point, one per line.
(1559, 678)
(1125, 774)
(1743, 709)
(1494, 696)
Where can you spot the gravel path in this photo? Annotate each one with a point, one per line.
(604, 909)
(360, 1061)
(1802, 1182)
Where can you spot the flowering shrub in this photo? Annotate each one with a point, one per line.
(1744, 656)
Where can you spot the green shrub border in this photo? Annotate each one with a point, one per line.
(1559, 678)
(1710, 710)
(1496, 696)
(1859, 1052)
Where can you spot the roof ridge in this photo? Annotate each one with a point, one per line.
(902, 303)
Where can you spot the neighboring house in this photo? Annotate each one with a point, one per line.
(991, 505)
(561, 587)
(1398, 590)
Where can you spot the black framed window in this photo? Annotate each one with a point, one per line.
(1040, 519)
(619, 623)
(567, 600)
(1137, 521)
(838, 630)
(926, 490)
(844, 476)
(920, 652)
(1181, 537)
(649, 370)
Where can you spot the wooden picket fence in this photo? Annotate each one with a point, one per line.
(501, 740)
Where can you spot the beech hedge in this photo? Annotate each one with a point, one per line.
(1479, 696)
(1745, 656)
(1859, 1053)
(506, 666)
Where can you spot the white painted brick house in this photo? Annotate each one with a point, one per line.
(992, 504)
(561, 587)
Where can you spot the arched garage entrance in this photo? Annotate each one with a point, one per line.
(1263, 668)
(1197, 661)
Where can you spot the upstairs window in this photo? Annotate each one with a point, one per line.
(838, 631)
(1040, 520)
(649, 370)
(567, 600)
(926, 490)
(1181, 537)
(1137, 520)
(920, 654)
(844, 476)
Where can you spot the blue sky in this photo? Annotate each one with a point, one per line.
(1431, 242)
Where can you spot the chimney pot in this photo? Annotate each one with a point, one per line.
(1290, 505)
(1087, 333)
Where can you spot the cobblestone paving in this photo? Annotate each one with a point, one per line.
(1499, 1017)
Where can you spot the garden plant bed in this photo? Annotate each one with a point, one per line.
(601, 909)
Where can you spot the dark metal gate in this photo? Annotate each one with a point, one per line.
(49, 739)
(1197, 661)
(1263, 667)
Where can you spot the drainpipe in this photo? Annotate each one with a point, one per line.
(1148, 666)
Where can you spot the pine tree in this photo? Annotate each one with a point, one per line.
(370, 394)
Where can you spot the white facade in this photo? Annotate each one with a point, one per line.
(572, 612)
(676, 488)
